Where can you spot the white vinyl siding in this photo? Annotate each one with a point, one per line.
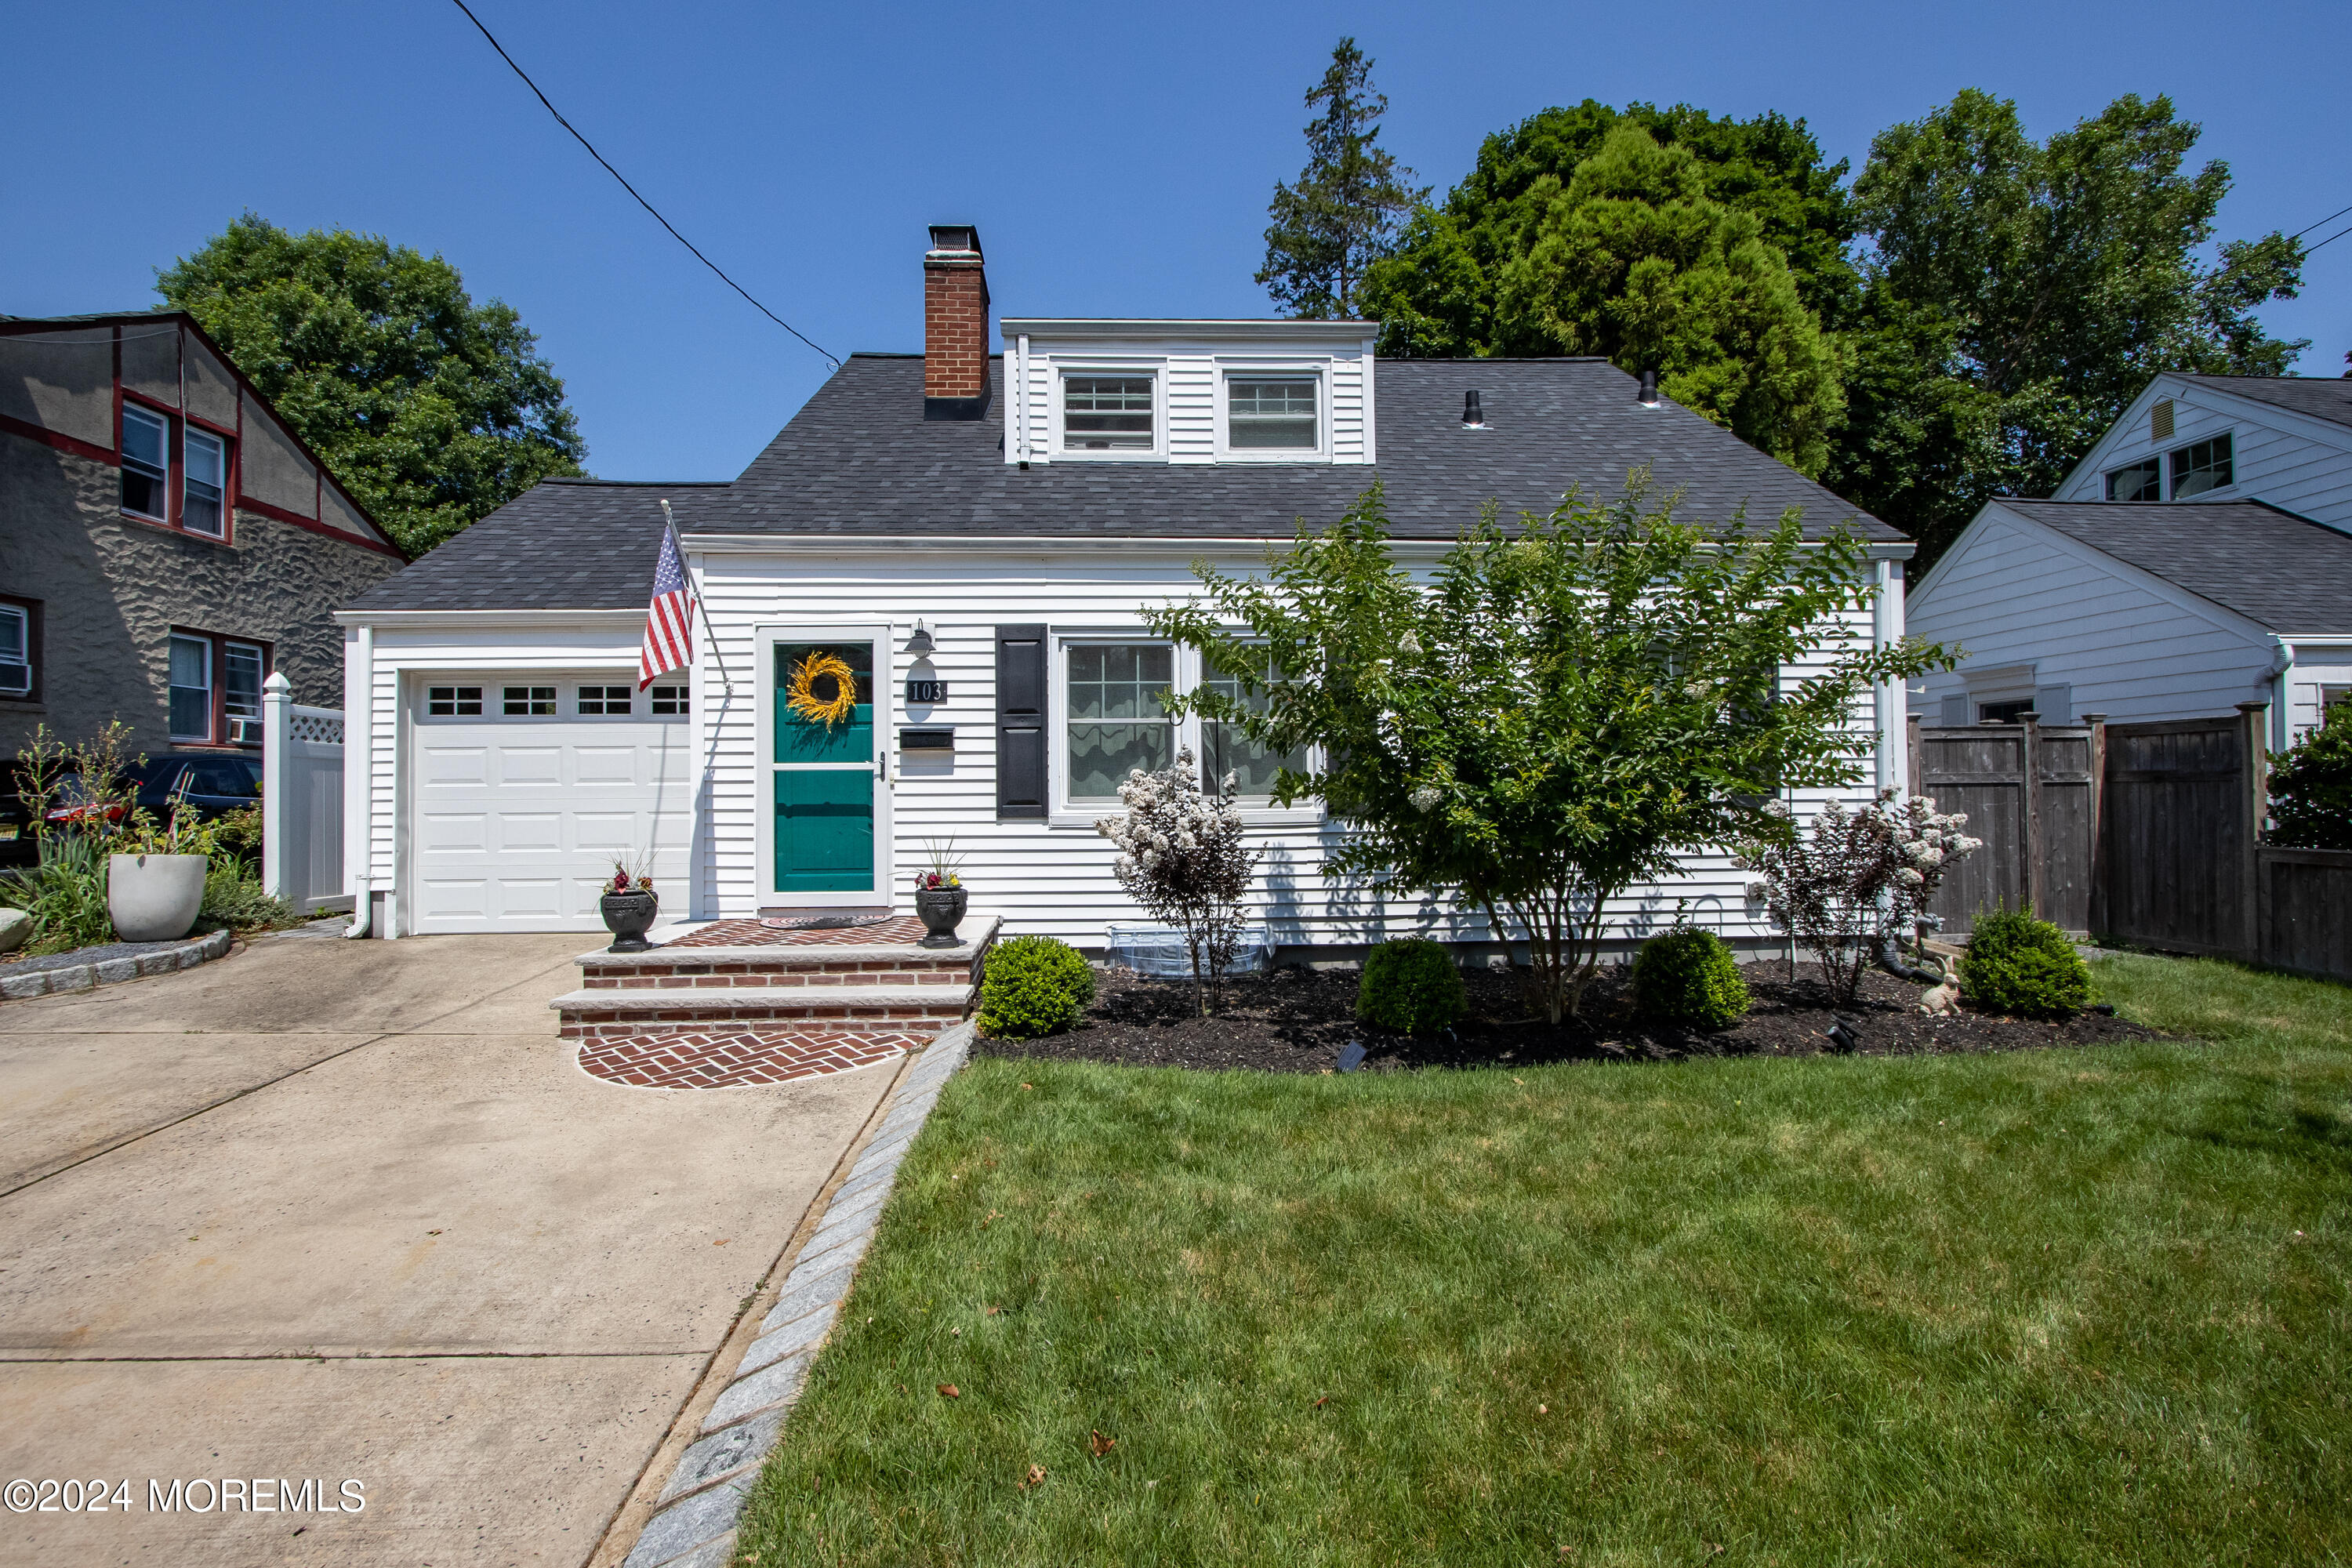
(1190, 390)
(2288, 459)
(2016, 594)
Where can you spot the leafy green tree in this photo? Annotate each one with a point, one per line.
(1343, 213)
(1564, 705)
(2311, 787)
(2019, 294)
(1632, 259)
(430, 410)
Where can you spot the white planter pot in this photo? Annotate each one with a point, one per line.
(154, 898)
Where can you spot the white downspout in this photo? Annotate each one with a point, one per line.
(359, 775)
(1886, 630)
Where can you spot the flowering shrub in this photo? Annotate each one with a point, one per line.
(1856, 878)
(2311, 787)
(1181, 856)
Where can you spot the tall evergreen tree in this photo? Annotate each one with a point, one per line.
(1343, 213)
(430, 410)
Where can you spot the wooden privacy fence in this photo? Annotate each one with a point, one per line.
(2031, 792)
(2151, 834)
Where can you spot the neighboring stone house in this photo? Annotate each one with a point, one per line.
(165, 540)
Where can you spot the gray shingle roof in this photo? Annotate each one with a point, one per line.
(2282, 571)
(859, 459)
(2328, 399)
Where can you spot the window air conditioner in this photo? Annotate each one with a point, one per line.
(244, 731)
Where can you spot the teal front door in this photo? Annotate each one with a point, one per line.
(826, 770)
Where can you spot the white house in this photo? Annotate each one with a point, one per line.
(2199, 557)
(974, 534)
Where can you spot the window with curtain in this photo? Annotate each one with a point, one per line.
(191, 689)
(146, 463)
(1115, 719)
(204, 483)
(1225, 749)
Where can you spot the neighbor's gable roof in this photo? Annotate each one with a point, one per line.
(2280, 571)
(2329, 399)
(859, 461)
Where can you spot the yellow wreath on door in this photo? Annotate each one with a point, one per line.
(803, 700)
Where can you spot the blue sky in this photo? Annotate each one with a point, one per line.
(1117, 159)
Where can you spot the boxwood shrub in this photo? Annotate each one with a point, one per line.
(1411, 986)
(2023, 967)
(1034, 985)
(1685, 975)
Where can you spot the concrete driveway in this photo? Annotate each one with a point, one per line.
(347, 1212)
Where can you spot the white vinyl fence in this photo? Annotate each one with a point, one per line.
(301, 800)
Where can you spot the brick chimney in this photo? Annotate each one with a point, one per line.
(955, 325)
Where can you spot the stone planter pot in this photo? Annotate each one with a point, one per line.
(941, 911)
(626, 916)
(154, 898)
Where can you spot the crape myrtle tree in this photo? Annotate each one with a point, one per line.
(430, 410)
(1556, 710)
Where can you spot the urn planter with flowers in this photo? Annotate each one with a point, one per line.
(629, 905)
(940, 899)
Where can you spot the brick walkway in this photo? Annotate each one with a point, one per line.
(733, 1060)
(895, 932)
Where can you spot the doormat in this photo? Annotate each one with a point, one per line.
(825, 922)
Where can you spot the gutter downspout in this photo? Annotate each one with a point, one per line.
(359, 772)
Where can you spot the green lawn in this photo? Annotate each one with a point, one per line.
(2086, 1306)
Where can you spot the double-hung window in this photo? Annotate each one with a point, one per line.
(1271, 413)
(2201, 465)
(1116, 722)
(204, 482)
(146, 464)
(16, 633)
(1113, 721)
(214, 679)
(192, 688)
(1107, 413)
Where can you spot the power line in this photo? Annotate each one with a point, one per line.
(2331, 217)
(632, 190)
(2331, 239)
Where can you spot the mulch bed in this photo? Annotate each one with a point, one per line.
(1297, 1020)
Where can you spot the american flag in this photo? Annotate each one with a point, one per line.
(669, 619)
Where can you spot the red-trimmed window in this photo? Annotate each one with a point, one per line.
(176, 472)
(215, 689)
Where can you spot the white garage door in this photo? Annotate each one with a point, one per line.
(527, 788)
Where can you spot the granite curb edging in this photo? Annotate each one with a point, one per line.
(694, 1520)
(163, 958)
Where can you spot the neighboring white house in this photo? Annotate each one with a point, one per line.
(979, 557)
(2199, 557)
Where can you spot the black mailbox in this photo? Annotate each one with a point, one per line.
(926, 741)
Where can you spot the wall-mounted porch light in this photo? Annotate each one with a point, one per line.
(920, 645)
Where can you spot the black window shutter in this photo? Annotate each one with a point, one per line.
(1021, 727)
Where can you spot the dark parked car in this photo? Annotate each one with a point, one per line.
(216, 785)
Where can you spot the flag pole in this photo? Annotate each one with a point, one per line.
(669, 525)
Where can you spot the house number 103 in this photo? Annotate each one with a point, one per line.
(927, 692)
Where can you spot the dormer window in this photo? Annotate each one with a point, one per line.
(1107, 413)
(1270, 413)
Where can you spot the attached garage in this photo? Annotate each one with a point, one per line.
(527, 787)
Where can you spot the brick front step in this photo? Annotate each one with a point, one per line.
(608, 1013)
(779, 965)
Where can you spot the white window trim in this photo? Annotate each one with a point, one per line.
(134, 411)
(24, 619)
(1062, 812)
(211, 688)
(1318, 369)
(261, 657)
(1060, 451)
(189, 433)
